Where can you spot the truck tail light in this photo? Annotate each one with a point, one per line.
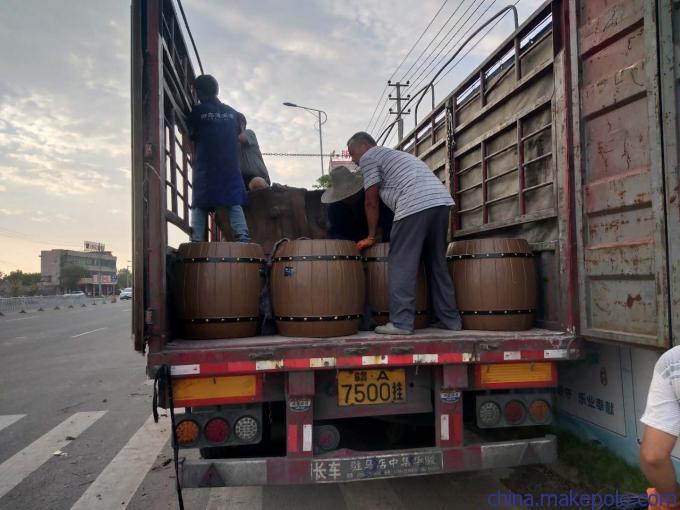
(489, 414)
(514, 412)
(539, 411)
(246, 429)
(187, 432)
(216, 430)
(326, 438)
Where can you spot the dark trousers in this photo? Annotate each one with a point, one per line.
(421, 235)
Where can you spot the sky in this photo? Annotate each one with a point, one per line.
(65, 95)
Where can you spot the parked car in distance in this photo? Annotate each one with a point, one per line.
(126, 293)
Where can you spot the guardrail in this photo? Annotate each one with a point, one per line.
(25, 304)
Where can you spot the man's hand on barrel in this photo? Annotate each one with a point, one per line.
(366, 243)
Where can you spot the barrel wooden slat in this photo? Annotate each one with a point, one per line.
(378, 287)
(504, 285)
(317, 288)
(217, 290)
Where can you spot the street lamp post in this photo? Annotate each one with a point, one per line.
(318, 113)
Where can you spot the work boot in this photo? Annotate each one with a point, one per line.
(391, 329)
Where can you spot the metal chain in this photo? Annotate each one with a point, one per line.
(295, 154)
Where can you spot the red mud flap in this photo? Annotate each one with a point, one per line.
(347, 466)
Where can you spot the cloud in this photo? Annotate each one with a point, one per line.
(64, 108)
(42, 217)
(10, 212)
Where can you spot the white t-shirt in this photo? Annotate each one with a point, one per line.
(663, 401)
(407, 185)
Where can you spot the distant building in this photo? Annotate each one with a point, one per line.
(96, 263)
(342, 159)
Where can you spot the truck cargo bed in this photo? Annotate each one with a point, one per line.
(427, 346)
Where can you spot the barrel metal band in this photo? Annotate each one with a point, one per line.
(245, 260)
(220, 320)
(375, 259)
(509, 255)
(498, 312)
(384, 314)
(316, 257)
(319, 319)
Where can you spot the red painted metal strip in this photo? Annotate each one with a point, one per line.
(293, 438)
(349, 361)
(533, 355)
(400, 359)
(491, 357)
(451, 357)
(215, 401)
(296, 363)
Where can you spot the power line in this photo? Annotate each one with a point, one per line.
(432, 40)
(382, 94)
(444, 38)
(420, 66)
(425, 74)
(473, 46)
(460, 59)
(416, 60)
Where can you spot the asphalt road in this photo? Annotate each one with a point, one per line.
(75, 432)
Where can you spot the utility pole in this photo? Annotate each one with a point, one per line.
(399, 113)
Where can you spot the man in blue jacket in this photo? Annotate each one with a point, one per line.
(217, 183)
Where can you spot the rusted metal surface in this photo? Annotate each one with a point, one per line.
(669, 65)
(619, 172)
(493, 137)
(138, 180)
(346, 465)
(162, 76)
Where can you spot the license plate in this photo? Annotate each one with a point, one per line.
(379, 386)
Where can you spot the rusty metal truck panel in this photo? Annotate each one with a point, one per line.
(619, 173)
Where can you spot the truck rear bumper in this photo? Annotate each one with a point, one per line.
(346, 465)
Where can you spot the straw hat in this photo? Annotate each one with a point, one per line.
(344, 183)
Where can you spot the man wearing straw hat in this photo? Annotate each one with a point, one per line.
(421, 204)
(345, 199)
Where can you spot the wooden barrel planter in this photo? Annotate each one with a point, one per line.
(378, 291)
(317, 288)
(216, 289)
(495, 282)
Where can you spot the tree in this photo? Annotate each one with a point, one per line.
(323, 182)
(124, 278)
(71, 275)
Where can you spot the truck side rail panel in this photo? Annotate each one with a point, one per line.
(162, 95)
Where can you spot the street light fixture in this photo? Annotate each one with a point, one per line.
(318, 112)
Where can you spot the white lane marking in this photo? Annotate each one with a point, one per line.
(115, 486)
(20, 337)
(7, 420)
(235, 498)
(370, 495)
(88, 332)
(21, 319)
(18, 467)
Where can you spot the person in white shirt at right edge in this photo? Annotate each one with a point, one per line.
(421, 205)
(662, 427)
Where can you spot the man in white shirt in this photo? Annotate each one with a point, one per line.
(662, 427)
(421, 204)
